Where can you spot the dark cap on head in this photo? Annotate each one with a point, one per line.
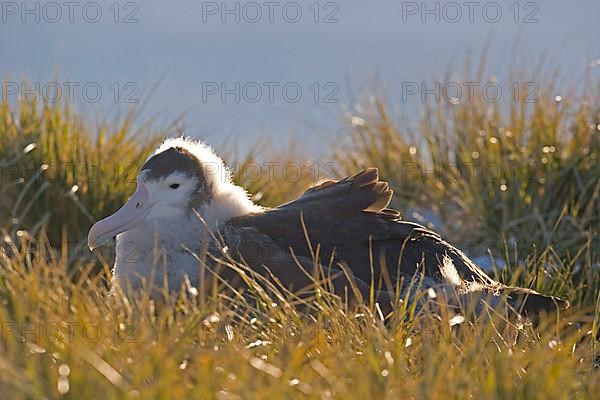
(178, 159)
(175, 159)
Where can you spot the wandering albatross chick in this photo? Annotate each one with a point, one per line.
(185, 198)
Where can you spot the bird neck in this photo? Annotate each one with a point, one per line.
(229, 202)
(172, 242)
(159, 248)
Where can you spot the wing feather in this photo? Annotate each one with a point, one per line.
(349, 222)
(349, 219)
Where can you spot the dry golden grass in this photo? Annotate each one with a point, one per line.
(71, 337)
(65, 334)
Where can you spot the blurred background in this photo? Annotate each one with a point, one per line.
(482, 116)
(283, 69)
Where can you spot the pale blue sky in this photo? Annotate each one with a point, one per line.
(172, 41)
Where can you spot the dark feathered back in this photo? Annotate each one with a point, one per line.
(349, 223)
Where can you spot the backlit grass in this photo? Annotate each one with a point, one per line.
(63, 333)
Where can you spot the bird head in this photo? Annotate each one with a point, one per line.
(181, 176)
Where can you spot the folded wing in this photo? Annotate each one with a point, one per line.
(347, 222)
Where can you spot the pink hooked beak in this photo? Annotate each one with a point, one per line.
(127, 217)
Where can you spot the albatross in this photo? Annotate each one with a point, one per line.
(185, 198)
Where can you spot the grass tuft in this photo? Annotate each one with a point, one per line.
(64, 333)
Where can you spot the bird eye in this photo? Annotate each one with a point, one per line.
(174, 186)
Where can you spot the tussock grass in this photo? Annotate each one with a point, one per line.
(274, 177)
(73, 337)
(515, 180)
(60, 174)
(63, 333)
(512, 172)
